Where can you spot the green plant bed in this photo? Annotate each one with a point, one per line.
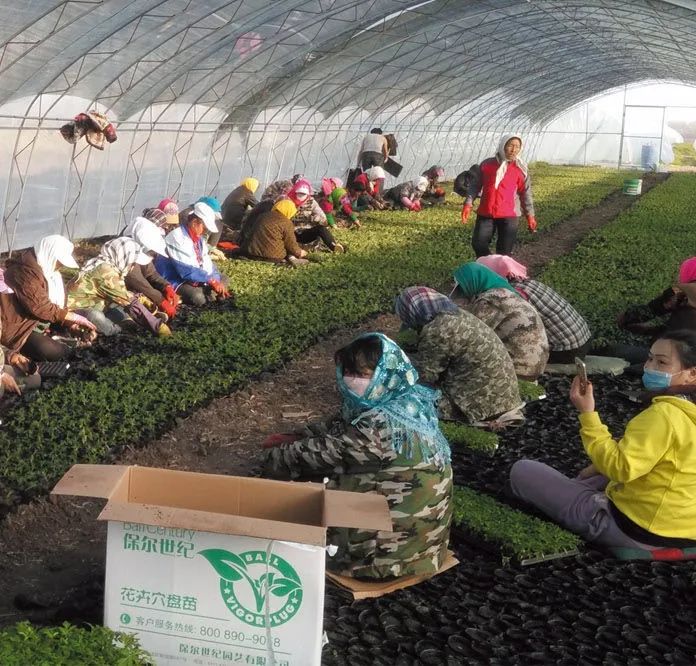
(529, 391)
(67, 645)
(458, 434)
(282, 312)
(684, 154)
(514, 534)
(631, 260)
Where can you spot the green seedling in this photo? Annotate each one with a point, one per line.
(460, 435)
(529, 391)
(68, 645)
(517, 535)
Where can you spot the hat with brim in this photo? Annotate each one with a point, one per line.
(214, 206)
(206, 214)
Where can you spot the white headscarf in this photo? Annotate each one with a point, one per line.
(375, 173)
(502, 169)
(148, 234)
(421, 183)
(49, 250)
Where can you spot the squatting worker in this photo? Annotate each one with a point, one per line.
(502, 182)
(386, 440)
(189, 268)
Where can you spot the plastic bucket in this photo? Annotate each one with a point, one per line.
(633, 186)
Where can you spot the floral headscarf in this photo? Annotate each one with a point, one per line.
(408, 407)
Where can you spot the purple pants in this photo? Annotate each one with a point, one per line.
(579, 505)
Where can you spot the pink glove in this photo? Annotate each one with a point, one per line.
(79, 320)
(466, 211)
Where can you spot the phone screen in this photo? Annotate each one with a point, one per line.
(582, 373)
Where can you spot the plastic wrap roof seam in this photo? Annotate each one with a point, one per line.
(247, 55)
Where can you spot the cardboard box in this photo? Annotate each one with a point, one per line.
(215, 570)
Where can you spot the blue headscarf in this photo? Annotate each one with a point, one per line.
(409, 408)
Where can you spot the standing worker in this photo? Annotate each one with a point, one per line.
(503, 180)
(374, 150)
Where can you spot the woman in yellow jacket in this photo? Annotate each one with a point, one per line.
(638, 497)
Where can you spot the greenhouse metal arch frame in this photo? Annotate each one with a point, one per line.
(203, 93)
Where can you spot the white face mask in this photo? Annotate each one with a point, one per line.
(358, 385)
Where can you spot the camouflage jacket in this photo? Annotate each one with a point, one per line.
(361, 458)
(98, 288)
(468, 362)
(518, 325)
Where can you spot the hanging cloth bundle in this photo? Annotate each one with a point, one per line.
(94, 126)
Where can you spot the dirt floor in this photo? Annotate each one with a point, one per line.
(52, 552)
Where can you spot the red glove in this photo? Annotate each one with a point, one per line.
(278, 438)
(218, 288)
(466, 211)
(168, 307)
(531, 223)
(171, 295)
(417, 206)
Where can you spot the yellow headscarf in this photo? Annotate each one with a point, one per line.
(251, 184)
(286, 207)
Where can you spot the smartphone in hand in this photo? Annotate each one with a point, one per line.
(581, 371)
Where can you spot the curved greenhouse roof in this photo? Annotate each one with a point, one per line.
(204, 91)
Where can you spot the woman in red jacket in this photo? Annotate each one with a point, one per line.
(503, 181)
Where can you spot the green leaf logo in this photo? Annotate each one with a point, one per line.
(258, 588)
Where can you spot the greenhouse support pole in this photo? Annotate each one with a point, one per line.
(623, 127)
(662, 137)
(587, 131)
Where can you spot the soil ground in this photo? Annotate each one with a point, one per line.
(52, 552)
